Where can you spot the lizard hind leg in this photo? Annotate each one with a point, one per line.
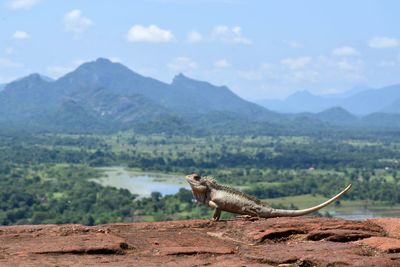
(251, 211)
(217, 210)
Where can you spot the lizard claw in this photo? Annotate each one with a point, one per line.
(243, 216)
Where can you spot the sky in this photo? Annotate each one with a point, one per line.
(259, 49)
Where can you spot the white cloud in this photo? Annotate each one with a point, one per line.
(296, 63)
(22, 4)
(20, 35)
(345, 51)
(231, 35)
(221, 64)
(75, 22)
(181, 64)
(194, 37)
(7, 63)
(383, 42)
(150, 34)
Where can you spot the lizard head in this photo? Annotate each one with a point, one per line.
(196, 182)
(199, 186)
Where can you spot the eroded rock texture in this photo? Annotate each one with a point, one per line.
(303, 241)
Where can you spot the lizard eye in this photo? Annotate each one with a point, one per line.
(196, 177)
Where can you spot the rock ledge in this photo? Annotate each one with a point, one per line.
(304, 241)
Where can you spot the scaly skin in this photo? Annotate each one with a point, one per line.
(223, 198)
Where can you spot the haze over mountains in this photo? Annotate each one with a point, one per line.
(102, 96)
(359, 101)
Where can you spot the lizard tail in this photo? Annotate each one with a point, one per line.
(294, 213)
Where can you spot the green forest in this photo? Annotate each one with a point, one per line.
(48, 178)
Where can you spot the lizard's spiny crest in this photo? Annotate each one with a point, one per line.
(211, 181)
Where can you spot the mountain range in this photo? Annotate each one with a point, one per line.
(102, 96)
(360, 101)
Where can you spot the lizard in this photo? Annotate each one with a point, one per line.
(206, 190)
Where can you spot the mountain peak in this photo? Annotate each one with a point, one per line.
(26, 86)
(102, 60)
(337, 115)
(302, 96)
(99, 63)
(337, 110)
(101, 67)
(34, 75)
(31, 78)
(180, 77)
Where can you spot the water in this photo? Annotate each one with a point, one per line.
(368, 213)
(142, 183)
(355, 216)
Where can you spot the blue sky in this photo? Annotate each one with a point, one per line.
(260, 49)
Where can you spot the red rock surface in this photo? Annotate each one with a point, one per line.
(303, 241)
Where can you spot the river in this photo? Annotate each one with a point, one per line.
(142, 183)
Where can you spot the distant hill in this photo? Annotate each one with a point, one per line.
(197, 97)
(102, 95)
(348, 93)
(371, 101)
(301, 101)
(23, 98)
(360, 101)
(393, 108)
(337, 116)
(381, 121)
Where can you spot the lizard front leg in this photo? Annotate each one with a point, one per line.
(217, 212)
